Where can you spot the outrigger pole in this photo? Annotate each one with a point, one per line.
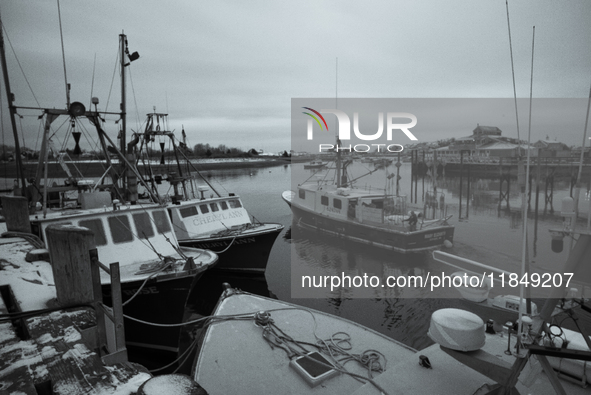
(12, 110)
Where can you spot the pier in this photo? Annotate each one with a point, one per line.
(544, 172)
(54, 337)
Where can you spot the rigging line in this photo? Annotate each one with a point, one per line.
(19, 65)
(524, 256)
(112, 81)
(59, 14)
(92, 81)
(513, 73)
(137, 111)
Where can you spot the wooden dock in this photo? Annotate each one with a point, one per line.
(50, 350)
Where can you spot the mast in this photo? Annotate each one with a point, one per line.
(122, 42)
(19, 164)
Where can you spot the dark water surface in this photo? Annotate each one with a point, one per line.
(484, 234)
(487, 235)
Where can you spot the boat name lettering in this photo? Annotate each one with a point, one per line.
(333, 210)
(144, 291)
(434, 235)
(207, 219)
(246, 240)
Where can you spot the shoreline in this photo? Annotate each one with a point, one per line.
(98, 168)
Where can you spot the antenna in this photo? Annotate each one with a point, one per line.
(513, 73)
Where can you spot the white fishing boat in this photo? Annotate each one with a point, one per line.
(218, 223)
(257, 345)
(364, 215)
(315, 164)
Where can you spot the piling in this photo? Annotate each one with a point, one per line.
(68, 250)
(16, 213)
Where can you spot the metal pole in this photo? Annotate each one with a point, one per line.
(461, 175)
(19, 162)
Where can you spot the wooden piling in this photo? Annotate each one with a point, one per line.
(70, 262)
(16, 213)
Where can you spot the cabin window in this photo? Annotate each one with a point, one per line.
(302, 194)
(188, 211)
(224, 205)
(214, 207)
(120, 229)
(234, 203)
(337, 203)
(161, 221)
(324, 200)
(204, 209)
(143, 225)
(96, 226)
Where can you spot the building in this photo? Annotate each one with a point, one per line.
(552, 149)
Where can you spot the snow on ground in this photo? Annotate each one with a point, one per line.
(31, 282)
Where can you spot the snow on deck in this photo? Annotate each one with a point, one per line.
(50, 347)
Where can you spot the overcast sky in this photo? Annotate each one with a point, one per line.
(227, 70)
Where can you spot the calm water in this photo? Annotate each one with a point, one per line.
(486, 235)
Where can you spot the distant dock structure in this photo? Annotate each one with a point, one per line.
(488, 154)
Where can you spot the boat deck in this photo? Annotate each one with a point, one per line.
(235, 358)
(448, 376)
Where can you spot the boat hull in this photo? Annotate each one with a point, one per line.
(161, 300)
(391, 239)
(247, 252)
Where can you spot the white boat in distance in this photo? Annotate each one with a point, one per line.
(364, 215)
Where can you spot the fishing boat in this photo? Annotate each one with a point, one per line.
(315, 164)
(288, 349)
(157, 274)
(382, 162)
(364, 215)
(218, 223)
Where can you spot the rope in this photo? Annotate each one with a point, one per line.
(228, 247)
(276, 337)
(59, 14)
(167, 263)
(31, 238)
(20, 66)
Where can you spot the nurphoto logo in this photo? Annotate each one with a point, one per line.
(344, 130)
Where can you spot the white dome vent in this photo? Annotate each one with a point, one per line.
(457, 329)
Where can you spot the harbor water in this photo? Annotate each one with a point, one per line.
(484, 233)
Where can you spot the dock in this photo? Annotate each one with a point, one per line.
(45, 349)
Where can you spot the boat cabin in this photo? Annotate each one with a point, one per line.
(208, 217)
(128, 235)
(362, 206)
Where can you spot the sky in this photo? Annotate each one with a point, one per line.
(227, 71)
